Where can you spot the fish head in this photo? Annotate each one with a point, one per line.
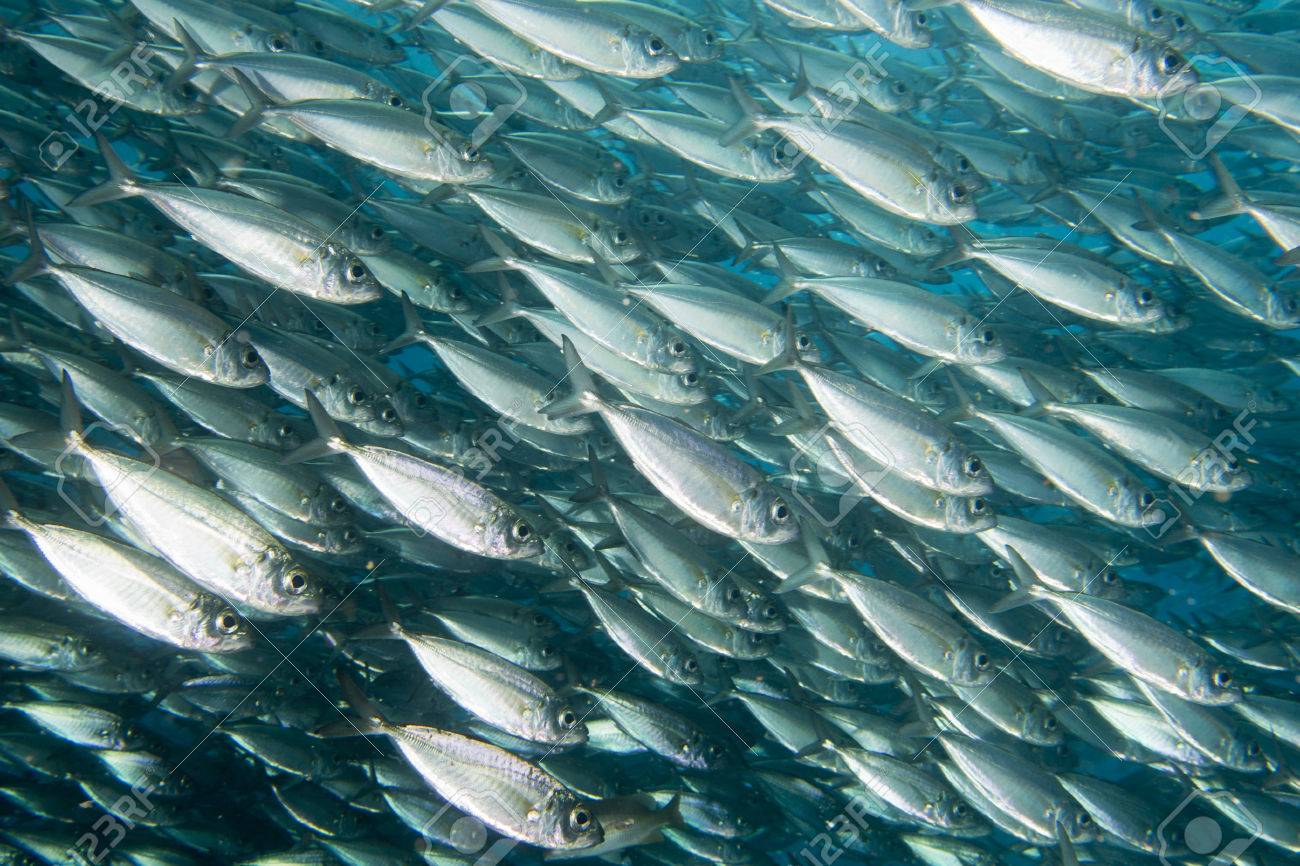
(1077, 824)
(509, 536)
(614, 186)
(1133, 504)
(682, 666)
(765, 516)
(340, 540)
(966, 514)
(345, 278)
(566, 822)
(761, 614)
(700, 45)
(1211, 469)
(1041, 727)
(646, 54)
(564, 553)
(683, 389)
(668, 349)
(969, 664)
(751, 644)
(889, 94)
(236, 363)
(954, 813)
(959, 470)
(364, 237)
(725, 600)
(277, 431)
(1155, 69)
(701, 752)
(555, 721)
(214, 626)
(1208, 682)
(1281, 308)
(384, 419)
(867, 265)
(910, 29)
(948, 200)
(292, 590)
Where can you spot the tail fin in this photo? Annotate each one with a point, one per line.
(508, 309)
(257, 101)
(1038, 391)
(959, 253)
(599, 488)
(330, 435)
(789, 358)
(787, 286)
(121, 183)
(1030, 587)
(748, 123)
(1234, 201)
(368, 721)
(584, 398)
(501, 254)
(413, 328)
(70, 413)
(37, 262)
(187, 67)
(818, 567)
(8, 506)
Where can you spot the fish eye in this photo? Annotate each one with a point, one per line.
(771, 611)
(521, 531)
(899, 88)
(690, 666)
(988, 337)
(296, 580)
(1289, 305)
(677, 348)
(620, 236)
(963, 164)
(356, 396)
(619, 181)
(395, 101)
(227, 622)
(1156, 14)
(580, 819)
(802, 341)
(691, 379)
(279, 43)
(350, 536)
(454, 293)
(419, 401)
(389, 414)
(338, 505)
(1085, 820)
(921, 19)
(1109, 577)
(377, 233)
(655, 46)
(981, 661)
(1146, 500)
(977, 506)
(1145, 297)
(780, 512)
(973, 466)
(1180, 23)
(1253, 749)
(1232, 464)
(249, 357)
(1170, 63)
(957, 193)
(732, 594)
(661, 220)
(356, 271)
(469, 153)
(539, 619)
(959, 810)
(709, 37)
(1050, 723)
(568, 718)
(547, 651)
(317, 45)
(1222, 678)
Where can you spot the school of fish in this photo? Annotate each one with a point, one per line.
(657, 432)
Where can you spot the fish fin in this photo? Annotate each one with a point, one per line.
(391, 616)
(611, 109)
(1233, 201)
(36, 263)
(70, 412)
(789, 358)
(599, 489)
(1030, 588)
(583, 397)
(748, 123)
(818, 567)
(501, 254)
(1069, 857)
(964, 409)
(1049, 191)
(786, 286)
(189, 63)
(412, 327)
(801, 83)
(258, 104)
(327, 429)
(1038, 391)
(369, 721)
(508, 309)
(1290, 257)
(8, 506)
(121, 183)
(424, 13)
(959, 253)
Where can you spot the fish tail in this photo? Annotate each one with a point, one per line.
(329, 434)
(121, 183)
(583, 397)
